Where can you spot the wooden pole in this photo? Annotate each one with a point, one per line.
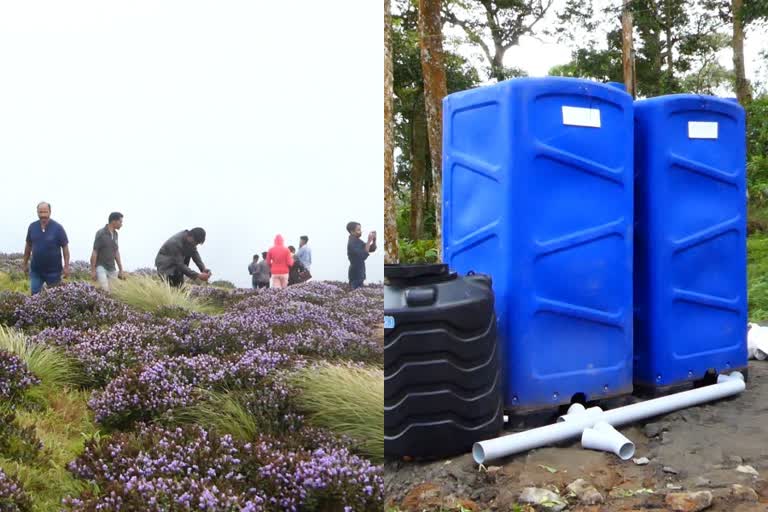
(627, 51)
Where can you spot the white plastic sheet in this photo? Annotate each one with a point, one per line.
(757, 342)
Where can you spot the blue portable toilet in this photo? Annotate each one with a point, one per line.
(538, 193)
(690, 239)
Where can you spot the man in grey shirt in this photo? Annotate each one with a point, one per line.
(173, 258)
(259, 271)
(304, 254)
(106, 252)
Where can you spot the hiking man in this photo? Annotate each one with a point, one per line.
(106, 252)
(259, 272)
(305, 253)
(263, 275)
(252, 269)
(46, 243)
(172, 259)
(357, 252)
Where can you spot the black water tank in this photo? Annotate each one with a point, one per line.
(442, 381)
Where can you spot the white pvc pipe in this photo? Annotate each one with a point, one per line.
(727, 385)
(573, 426)
(604, 437)
(573, 411)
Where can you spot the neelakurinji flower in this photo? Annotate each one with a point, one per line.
(77, 305)
(15, 377)
(164, 385)
(191, 467)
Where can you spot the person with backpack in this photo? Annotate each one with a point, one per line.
(299, 273)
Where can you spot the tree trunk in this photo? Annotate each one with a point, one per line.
(669, 54)
(390, 216)
(433, 70)
(743, 90)
(497, 65)
(627, 54)
(419, 149)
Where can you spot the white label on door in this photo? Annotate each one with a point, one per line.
(389, 322)
(702, 130)
(577, 116)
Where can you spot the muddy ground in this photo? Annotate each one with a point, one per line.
(697, 449)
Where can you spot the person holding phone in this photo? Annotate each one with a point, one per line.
(357, 252)
(173, 258)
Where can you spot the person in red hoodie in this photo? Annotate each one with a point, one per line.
(280, 261)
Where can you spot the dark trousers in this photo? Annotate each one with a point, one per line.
(36, 280)
(356, 283)
(175, 280)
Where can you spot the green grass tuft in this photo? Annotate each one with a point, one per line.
(224, 412)
(347, 400)
(14, 283)
(757, 272)
(154, 295)
(52, 366)
(63, 427)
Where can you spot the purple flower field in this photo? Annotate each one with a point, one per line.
(142, 372)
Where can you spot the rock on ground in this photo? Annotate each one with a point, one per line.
(585, 492)
(537, 496)
(688, 501)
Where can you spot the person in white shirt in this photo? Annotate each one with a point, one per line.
(304, 254)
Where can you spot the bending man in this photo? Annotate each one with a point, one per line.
(173, 258)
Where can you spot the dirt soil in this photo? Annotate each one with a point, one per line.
(696, 449)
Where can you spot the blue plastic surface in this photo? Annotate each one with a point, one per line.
(690, 260)
(546, 208)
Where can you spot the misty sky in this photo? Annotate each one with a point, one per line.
(246, 118)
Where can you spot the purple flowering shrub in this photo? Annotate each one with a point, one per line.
(15, 377)
(104, 354)
(61, 337)
(154, 367)
(271, 405)
(191, 468)
(152, 390)
(220, 335)
(77, 305)
(9, 302)
(316, 293)
(340, 328)
(12, 496)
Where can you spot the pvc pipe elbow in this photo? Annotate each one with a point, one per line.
(581, 414)
(604, 437)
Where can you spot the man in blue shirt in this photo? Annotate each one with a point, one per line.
(46, 242)
(357, 252)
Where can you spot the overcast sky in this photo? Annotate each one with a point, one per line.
(246, 118)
